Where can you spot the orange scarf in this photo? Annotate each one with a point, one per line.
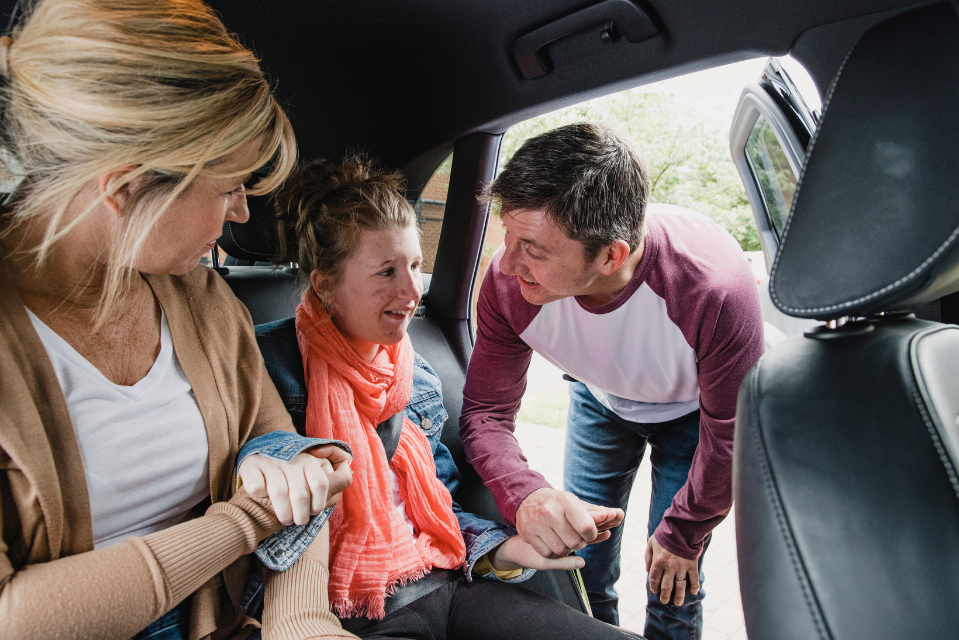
(371, 549)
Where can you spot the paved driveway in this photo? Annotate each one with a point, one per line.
(543, 446)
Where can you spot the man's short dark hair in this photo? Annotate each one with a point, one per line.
(589, 179)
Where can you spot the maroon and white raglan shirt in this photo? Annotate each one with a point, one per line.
(681, 336)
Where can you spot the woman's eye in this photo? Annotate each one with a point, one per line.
(387, 272)
(239, 190)
(416, 266)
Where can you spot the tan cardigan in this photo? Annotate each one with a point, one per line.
(52, 582)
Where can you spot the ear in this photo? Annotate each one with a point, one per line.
(113, 196)
(613, 257)
(319, 281)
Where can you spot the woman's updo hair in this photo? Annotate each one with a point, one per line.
(93, 86)
(324, 207)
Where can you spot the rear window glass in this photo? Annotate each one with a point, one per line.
(775, 177)
(430, 208)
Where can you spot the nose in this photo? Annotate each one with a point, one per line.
(411, 287)
(511, 262)
(238, 211)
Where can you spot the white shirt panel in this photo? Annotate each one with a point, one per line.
(399, 505)
(144, 446)
(652, 377)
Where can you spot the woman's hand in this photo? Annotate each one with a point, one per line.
(309, 483)
(515, 553)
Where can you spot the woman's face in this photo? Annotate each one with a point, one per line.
(194, 221)
(379, 288)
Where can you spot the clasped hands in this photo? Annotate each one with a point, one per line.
(551, 525)
(301, 488)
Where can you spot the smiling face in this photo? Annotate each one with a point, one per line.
(379, 286)
(548, 264)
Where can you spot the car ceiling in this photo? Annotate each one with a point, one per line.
(403, 81)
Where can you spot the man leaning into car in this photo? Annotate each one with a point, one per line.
(654, 314)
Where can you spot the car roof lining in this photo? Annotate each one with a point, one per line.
(403, 81)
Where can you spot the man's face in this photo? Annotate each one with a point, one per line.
(547, 264)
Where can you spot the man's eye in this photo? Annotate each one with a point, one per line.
(530, 253)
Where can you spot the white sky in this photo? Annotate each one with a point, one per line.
(718, 89)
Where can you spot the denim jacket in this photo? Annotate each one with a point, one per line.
(277, 341)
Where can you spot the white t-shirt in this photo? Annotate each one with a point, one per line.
(144, 446)
(399, 505)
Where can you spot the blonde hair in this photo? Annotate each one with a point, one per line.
(324, 207)
(93, 86)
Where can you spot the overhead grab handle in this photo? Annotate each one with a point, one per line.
(615, 16)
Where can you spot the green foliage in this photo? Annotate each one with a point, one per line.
(686, 147)
(546, 408)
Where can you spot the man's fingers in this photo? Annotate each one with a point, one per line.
(605, 517)
(680, 586)
(602, 537)
(649, 556)
(541, 547)
(655, 577)
(693, 578)
(665, 588)
(581, 528)
(556, 545)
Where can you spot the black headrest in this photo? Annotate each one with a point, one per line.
(256, 239)
(875, 221)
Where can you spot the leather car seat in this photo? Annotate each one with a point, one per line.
(847, 438)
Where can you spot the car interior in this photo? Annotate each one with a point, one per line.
(845, 483)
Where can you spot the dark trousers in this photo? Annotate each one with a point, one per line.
(483, 610)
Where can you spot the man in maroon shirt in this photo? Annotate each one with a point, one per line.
(654, 314)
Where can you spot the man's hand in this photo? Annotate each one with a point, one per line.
(304, 487)
(669, 572)
(515, 553)
(556, 523)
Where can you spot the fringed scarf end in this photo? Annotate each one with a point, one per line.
(372, 608)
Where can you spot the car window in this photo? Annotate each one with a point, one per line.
(775, 177)
(430, 208)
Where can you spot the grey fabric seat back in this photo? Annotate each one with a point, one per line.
(847, 444)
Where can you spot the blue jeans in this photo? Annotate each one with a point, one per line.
(603, 452)
(173, 625)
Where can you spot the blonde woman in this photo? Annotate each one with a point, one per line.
(129, 377)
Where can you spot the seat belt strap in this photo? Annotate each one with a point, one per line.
(389, 432)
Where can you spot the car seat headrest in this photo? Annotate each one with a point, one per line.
(255, 240)
(875, 221)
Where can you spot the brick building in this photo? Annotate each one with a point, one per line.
(429, 214)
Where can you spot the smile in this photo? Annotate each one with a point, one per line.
(528, 281)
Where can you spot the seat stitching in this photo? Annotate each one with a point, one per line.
(926, 418)
(781, 519)
(237, 243)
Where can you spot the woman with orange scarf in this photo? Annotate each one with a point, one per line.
(403, 556)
